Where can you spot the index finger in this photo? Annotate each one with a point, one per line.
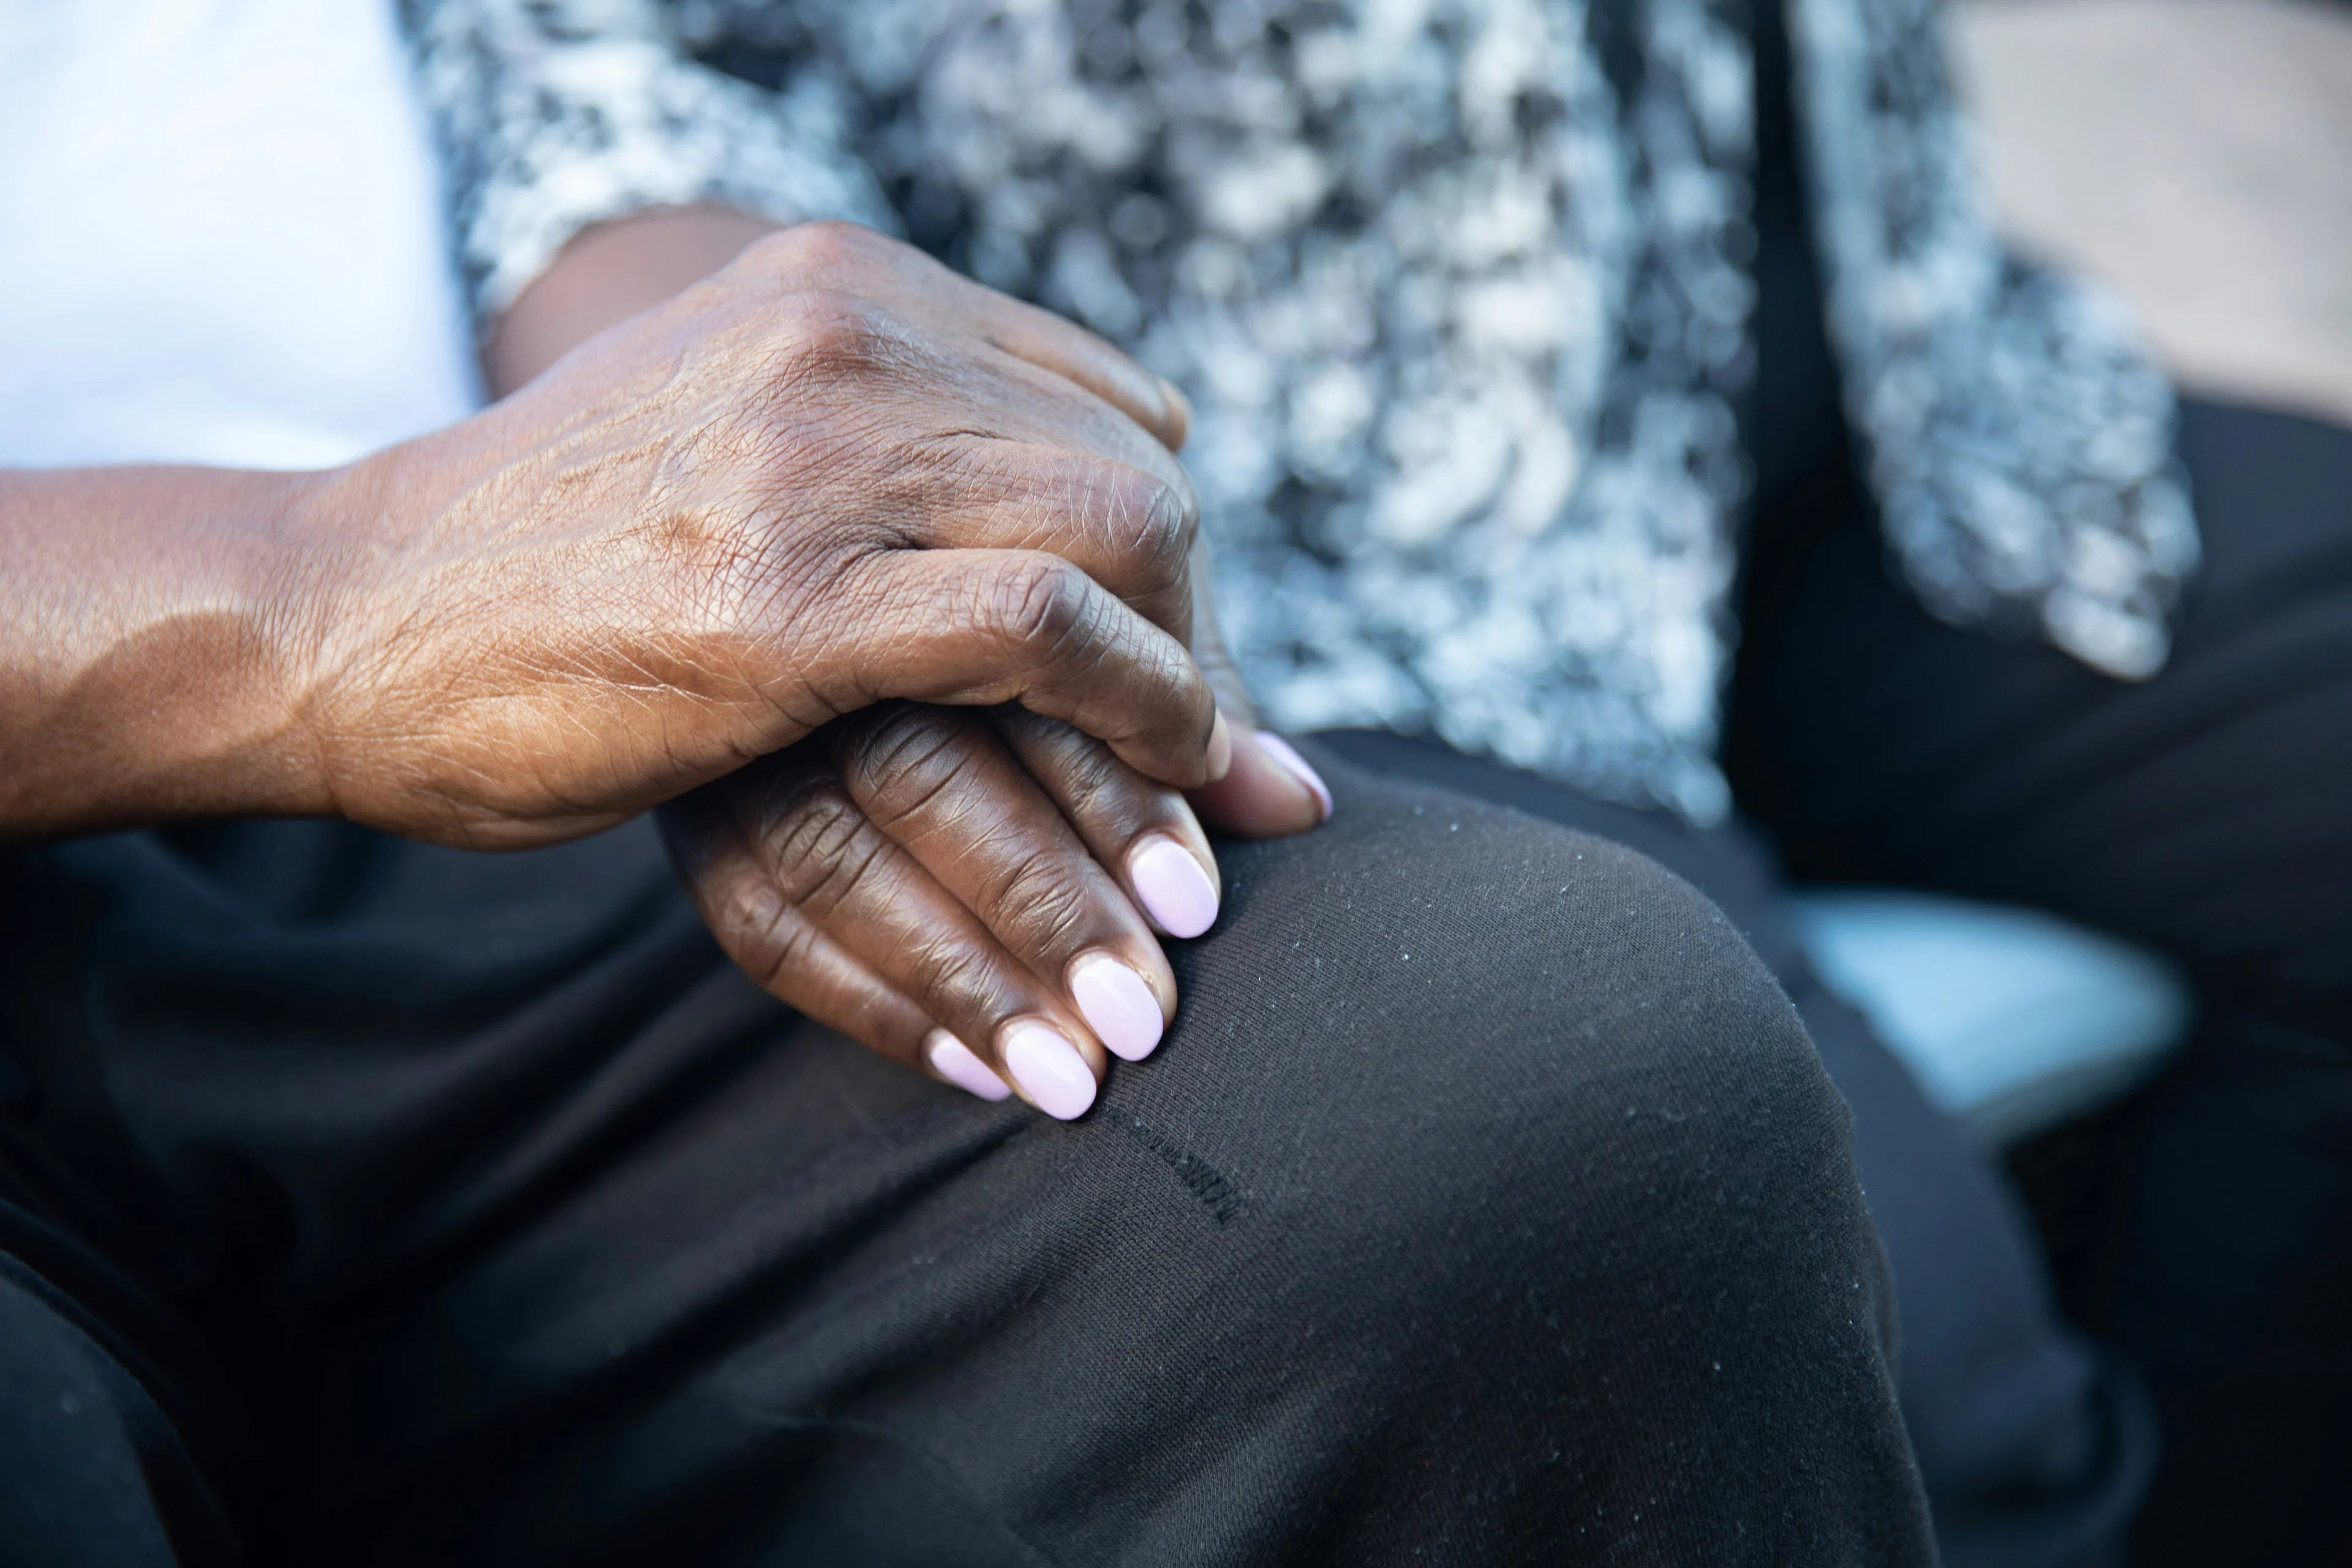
(946, 299)
(979, 628)
(1069, 351)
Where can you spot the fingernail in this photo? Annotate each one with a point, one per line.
(1049, 1067)
(1288, 756)
(1220, 748)
(1175, 890)
(1118, 1004)
(956, 1063)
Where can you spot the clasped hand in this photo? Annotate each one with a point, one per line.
(886, 580)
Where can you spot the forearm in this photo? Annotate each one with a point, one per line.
(157, 633)
(160, 627)
(607, 275)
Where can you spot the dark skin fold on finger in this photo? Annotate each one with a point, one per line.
(784, 853)
(771, 941)
(946, 788)
(977, 867)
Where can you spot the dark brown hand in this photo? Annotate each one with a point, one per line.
(971, 892)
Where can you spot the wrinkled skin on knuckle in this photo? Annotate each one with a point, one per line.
(903, 762)
(822, 358)
(818, 846)
(743, 906)
(964, 978)
(1096, 787)
(833, 338)
(1166, 513)
(780, 951)
(1043, 608)
(1037, 902)
(1173, 521)
(1145, 523)
(755, 925)
(1131, 525)
(858, 430)
(923, 779)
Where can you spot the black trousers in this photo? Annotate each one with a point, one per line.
(2208, 814)
(1486, 1204)
(530, 1230)
(370, 1203)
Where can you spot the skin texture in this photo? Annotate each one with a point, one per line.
(913, 867)
(831, 475)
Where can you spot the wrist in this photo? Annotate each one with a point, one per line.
(160, 664)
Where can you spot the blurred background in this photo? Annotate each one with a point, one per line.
(2195, 154)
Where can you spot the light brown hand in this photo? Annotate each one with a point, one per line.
(830, 474)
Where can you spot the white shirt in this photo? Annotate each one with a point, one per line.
(221, 238)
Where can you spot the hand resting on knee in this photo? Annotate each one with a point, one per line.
(970, 893)
(966, 892)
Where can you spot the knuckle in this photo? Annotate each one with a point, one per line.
(789, 952)
(749, 914)
(902, 761)
(1040, 904)
(1044, 604)
(827, 246)
(835, 335)
(1151, 522)
(1096, 789)
(818, 846)
(1099, 788)
(958, 970)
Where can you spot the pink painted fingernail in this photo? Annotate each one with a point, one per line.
(1049, 1067)
(1117, 1003)
(1291, 763)
(1175, 890)
(956, 1063)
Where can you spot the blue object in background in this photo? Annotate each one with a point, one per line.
(2011, 1020)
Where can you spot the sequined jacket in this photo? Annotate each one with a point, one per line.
(1460, 291)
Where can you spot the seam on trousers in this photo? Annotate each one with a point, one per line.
(1207, 1184)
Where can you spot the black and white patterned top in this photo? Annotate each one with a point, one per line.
(1459, 289)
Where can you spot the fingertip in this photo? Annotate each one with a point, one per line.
(1272, 792)
(1173, 886)
(956, 1062)
(1178, 416)
(1049, 1069)
(1119, 1004)
(1286, 757)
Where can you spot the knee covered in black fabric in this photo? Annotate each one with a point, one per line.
(1547, 1181)
(1462, 1053)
